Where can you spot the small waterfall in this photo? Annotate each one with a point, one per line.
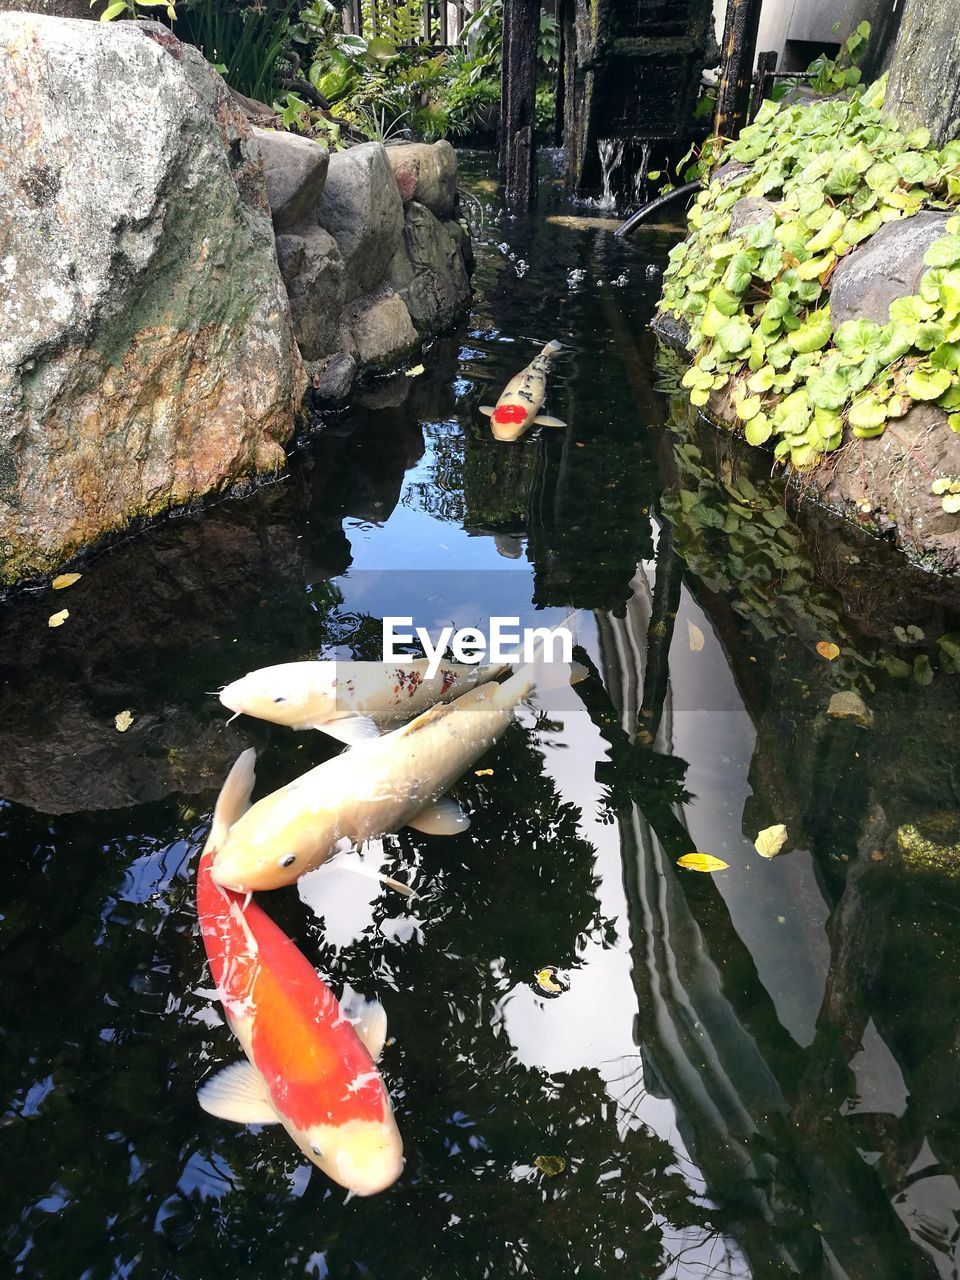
(624, 166)
(611, 160)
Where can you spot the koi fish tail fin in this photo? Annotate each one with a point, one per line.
(234, 798)
(552, 348)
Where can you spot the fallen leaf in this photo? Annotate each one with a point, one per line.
(482, 773)
(850, 706)
(827, 649)
(546, 981)
(550, 1165)
(701, 862)
(696, 637)
(416, 371)
(58, 619)
(770, 840)
(123, 720)
(65, 580)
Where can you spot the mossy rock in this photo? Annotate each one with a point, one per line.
(931, 844)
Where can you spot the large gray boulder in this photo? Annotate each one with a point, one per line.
(362, 210)
(295, 170)
(429, 272)
(427, 173)
(147, 356)
(887, 266)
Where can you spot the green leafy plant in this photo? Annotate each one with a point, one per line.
(131, 9)
(760, 327)
(251, 41)
(834, 75)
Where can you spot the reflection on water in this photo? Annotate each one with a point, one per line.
(750, 1074)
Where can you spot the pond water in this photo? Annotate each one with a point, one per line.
(751, 1073)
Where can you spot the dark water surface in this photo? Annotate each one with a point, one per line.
(753, 1073)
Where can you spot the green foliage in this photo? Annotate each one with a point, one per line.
(250, 40)
(760, 328)
(828, 75)
(131, 9)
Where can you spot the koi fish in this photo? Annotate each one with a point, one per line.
(308, 1067)
(351, 701)
(518, 408)
(375, 788)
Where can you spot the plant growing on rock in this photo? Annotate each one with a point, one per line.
(822, 179)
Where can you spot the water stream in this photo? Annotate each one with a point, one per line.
(751, 1074)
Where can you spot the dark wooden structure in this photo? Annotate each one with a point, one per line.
(518, 83)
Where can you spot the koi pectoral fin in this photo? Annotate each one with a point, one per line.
(350, 729)
(369, 1020)
(545, 420)
(487, 410)
(238, 1093)
(442, 818)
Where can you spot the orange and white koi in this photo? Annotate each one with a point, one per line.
(518, 408)
(308, 1067)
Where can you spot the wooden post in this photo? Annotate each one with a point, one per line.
(736, 73)
(763, 81)
(518, 89)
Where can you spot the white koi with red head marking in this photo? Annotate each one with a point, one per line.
(518, 408)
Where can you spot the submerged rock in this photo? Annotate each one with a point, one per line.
(931, 844)
(850, 706)
(147, 356)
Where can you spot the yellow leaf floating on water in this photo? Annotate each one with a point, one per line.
(58, 619)
(482, 773)
(827, 649)
(546, 981)
(123, 720)
(701, 862)
(416, 371)
(696, 637)
(65, 580)
(550, 1165)
(770, 840)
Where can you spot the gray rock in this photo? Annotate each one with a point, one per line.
(885, 267)
(378, 332)
(428, 271)
(313, 271)
(362, 210)
(426, 173)
(884, 485)
(295, 170)
(747, 212)
(333, 380)
(147, 354)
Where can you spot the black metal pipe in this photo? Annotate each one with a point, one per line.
(652, 205)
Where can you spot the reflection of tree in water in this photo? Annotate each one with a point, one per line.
(765, 1119)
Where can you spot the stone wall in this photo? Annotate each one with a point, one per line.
(154, 318)
(371, 254)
